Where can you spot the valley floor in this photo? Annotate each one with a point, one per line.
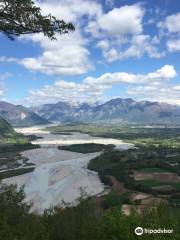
(59, 175)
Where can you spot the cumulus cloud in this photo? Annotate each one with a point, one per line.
(171, 27)
(167, 93)
(121, 34)
(66, 56)
(139, 45)
(156, 87)
(64, 91)
(173, 45)
(71, 10)
(171, 23)
(117, 32)
(69, 55)
(93, 89)
(119, 21)
(108, 79)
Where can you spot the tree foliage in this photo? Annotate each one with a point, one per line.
(85, 221)
(19, 17)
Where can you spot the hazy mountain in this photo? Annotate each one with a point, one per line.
(54, 112)
(18, 115)
(130, 111)
(115, 110)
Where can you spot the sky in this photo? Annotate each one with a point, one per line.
(120, 48)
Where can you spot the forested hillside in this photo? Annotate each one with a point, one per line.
(7, 133)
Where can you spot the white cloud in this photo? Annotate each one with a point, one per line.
(165, 73)
(171, 23)
(171, 28)
(93, 89)
(71, 10)
(64, 91)
(164, 93)
(66, 56)
(119, 21)
(173, 45)
(139, 46)
(157, 87)
(69, 55)
(118, 33)
(121, 34)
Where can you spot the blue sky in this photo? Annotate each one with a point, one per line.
(121, 48)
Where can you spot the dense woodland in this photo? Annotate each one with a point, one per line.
(86, 148)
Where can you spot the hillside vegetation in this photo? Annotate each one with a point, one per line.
(6, 129)
(8, 135)
(12, 163)
(86, 147)
(86, 221)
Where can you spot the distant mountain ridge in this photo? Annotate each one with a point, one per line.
(19, 116)
(116, 110)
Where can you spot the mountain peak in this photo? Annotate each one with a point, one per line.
(118, 109)
(19, 115)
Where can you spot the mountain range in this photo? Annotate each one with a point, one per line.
(114, 111)
(19, 116)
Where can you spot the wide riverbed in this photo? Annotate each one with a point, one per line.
(59, 175)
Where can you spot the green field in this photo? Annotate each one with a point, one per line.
(149, 184)
(152, 170)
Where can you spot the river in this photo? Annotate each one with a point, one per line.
(59, 175)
